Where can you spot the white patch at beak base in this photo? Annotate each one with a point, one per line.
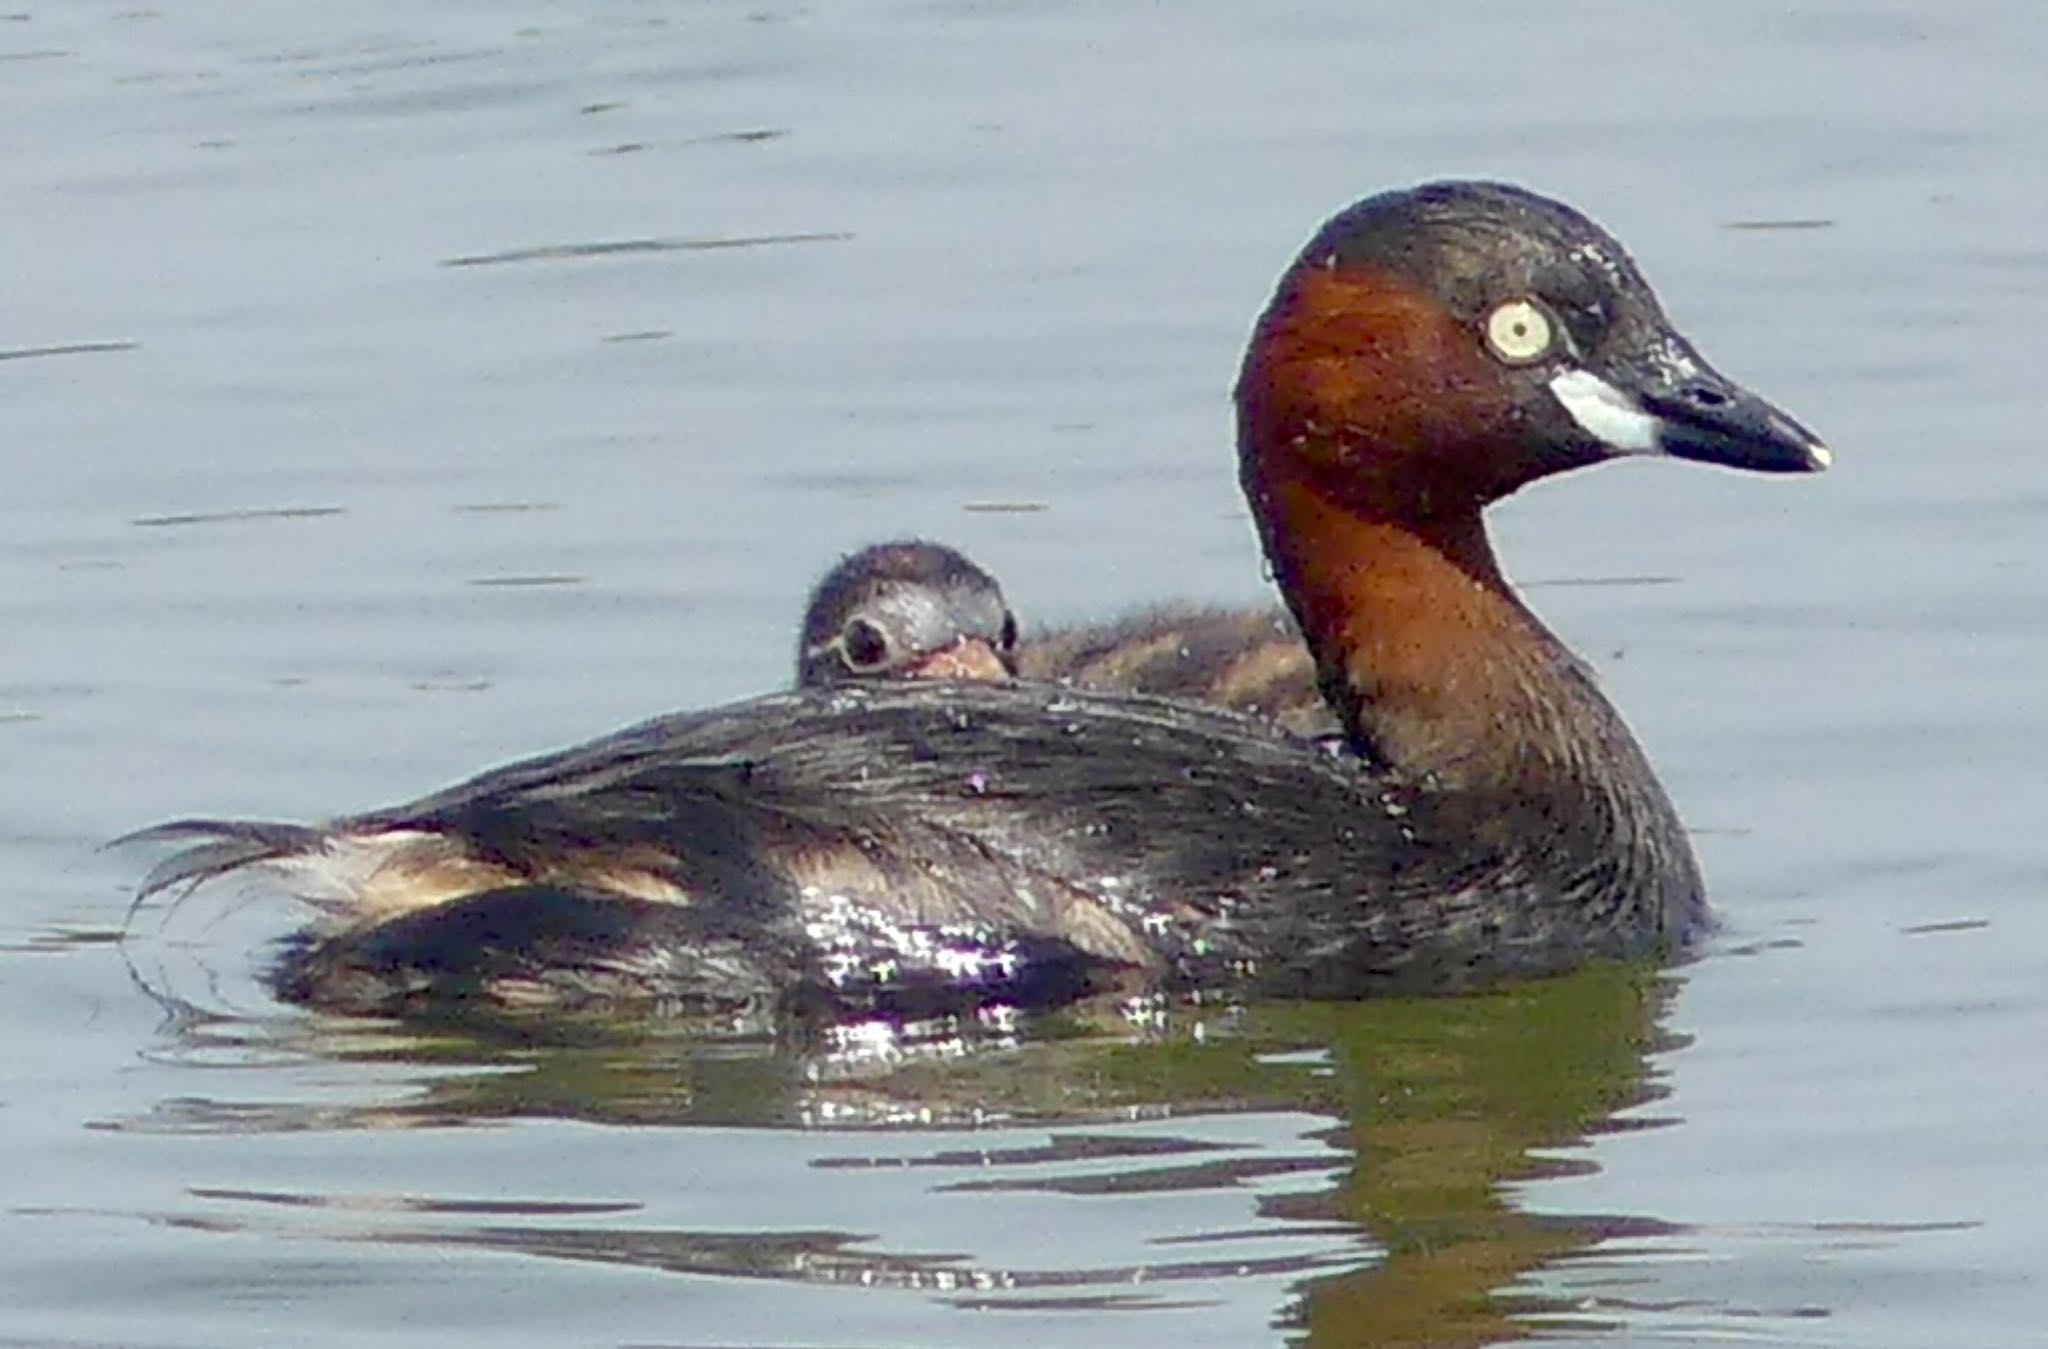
(1605, 412)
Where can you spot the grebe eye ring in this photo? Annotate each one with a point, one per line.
(863, 646)
(1519, 332)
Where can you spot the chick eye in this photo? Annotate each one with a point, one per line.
(1519, 332)
(865, 646)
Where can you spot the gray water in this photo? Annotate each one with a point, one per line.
(394, 389)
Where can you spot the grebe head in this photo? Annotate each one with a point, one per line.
(1431, 351)
(1435, 348)
(906, 610)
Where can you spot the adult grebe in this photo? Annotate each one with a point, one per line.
(910, 845)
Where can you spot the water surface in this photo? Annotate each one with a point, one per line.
(394, 390)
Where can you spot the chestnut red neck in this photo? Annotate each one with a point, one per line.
(1433, 664)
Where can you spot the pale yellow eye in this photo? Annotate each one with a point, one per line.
(1519, 332)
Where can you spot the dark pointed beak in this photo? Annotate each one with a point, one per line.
(1672, 402)
(1711, 418)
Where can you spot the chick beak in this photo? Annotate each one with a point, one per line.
(966, 658)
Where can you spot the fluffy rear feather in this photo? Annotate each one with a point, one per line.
(215, 847)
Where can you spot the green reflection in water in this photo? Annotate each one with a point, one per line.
(1441, 1102)
(1445, 1100)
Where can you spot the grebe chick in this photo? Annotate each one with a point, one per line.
(906, 610)
(916, 609)
(1251, 661)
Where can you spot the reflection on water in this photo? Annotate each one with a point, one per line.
(617, 247)
(1401, 1237)
(65, 349)
(228, 303)
(1447, 1102)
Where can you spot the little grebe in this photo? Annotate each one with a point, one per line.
(905, 845)
(1247, 660)
(906, 610)
(915, 609)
